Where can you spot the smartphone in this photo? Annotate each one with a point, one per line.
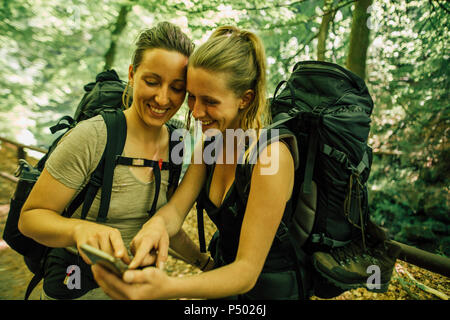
(104, 259)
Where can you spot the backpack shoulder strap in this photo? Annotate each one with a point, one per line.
(116, 127)
(174, 172)
(200, 206)
(103, 175)
(269, 135)
(174, 168)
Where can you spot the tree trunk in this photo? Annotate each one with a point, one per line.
(323, 31)
(359, 39)
(120, 24)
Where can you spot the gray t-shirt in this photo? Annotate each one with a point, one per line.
(75, 159)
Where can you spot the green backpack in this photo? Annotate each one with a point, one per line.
(324, 111)
(104, 97)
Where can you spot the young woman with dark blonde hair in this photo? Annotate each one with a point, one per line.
(226, 91)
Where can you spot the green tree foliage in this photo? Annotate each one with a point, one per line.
(408, 75)
(50, 49)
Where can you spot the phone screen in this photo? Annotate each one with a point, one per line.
(104, 259)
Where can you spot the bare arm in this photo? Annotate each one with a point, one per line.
(188, 251)
(41, 220)
(74, 159)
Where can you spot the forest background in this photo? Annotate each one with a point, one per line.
(50, 49)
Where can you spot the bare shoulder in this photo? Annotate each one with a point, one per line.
(275, 159)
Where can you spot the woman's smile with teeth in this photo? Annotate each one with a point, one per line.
(208, 122)
(158, 110)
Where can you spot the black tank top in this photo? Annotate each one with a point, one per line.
(228, 220)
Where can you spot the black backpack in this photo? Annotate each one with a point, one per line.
(324, 112)
(327, 110)
(104, 97)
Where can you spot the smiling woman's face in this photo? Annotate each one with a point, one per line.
(159, 85)
(211, 101)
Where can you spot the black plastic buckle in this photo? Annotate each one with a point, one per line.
(318, 110)
(283, 235)
(339, 156)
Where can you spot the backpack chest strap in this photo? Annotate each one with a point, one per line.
(141, 162)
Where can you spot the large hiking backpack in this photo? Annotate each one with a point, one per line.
(104, 97)
(324, 113)
(327, 108)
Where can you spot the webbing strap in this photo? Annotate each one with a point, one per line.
(91, 189)
(157, 173)
(341, 157)
(157, 167)
(38, 276)
(60, 126)
(310, 160)
(289, 245)
(33, 283)
(116, 135)
(174, 168)
(332, 243)
(75, 203)
(200, 227)
(334, 153)
(363, 164)
(141, 162)
(279, 119)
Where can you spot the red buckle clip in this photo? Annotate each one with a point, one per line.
(160, 162)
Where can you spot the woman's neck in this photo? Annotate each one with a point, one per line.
(140, 131)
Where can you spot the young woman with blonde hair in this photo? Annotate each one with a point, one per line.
(226, 83)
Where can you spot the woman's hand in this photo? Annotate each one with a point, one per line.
(149, 283)
(101, 237)
(150, 240)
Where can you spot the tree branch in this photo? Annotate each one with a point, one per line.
(332, 11)
(214, 8)
(442, 6)
(120, 24)
(323, 30)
